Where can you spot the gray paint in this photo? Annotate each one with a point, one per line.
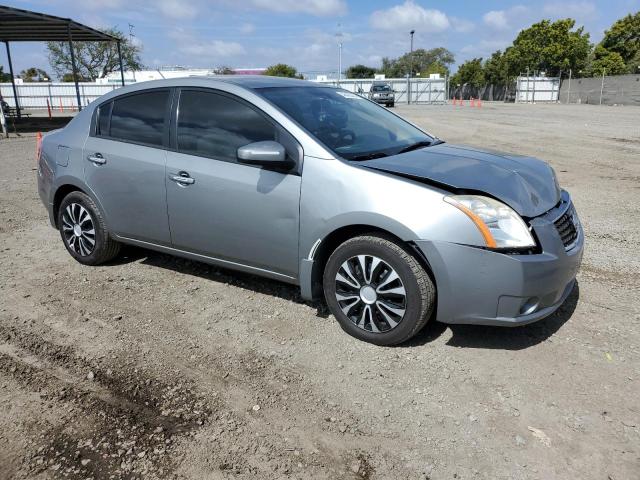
(271, 223)
(525, 184)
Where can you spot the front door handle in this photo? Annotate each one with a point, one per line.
(183, 179)
(97, 159)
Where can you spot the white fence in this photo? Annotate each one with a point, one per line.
(61, 95)
(421, 90)
(537, 89)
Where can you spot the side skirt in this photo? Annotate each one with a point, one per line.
(207, 259)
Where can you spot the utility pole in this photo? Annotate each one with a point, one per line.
(602, 86)
(569, 89)
(410, 68)
(339, 36)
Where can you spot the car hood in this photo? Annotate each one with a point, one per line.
(526, 184)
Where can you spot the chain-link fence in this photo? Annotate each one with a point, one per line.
(607, 90)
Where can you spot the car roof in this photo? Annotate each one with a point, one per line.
(249, 82)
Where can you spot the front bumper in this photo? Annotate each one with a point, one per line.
(385, 100)
(484, 287)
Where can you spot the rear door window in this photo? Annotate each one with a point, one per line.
(140, 118)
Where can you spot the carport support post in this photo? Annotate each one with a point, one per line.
(121, 66)
(3, 122)
(13, 80)
(75, 69)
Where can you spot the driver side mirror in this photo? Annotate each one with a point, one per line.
(268, 154)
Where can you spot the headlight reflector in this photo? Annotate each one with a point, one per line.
(500, 226)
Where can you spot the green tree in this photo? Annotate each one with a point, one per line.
(624, 38)
(360, 71)
(4, 77)
(470, 73)
(34, 74)
(94, 59)
(435, 67)
(436, 60)
(282, 70)
(605, 60)
(68, 77)
(550, 47)
(496, 69)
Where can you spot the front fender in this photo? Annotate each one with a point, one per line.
(337, 194)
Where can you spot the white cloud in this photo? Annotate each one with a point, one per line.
(213, 49)
(496, 19)
(177, 9)
(247, 28)
(461, 25)
(483, 48)
(510, 19)
(321, 8)
(409, 15)
(570, 9)
(205, 50)
(100, 4)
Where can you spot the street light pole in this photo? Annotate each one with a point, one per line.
(339, 37)
(410, 68)
(339, 62)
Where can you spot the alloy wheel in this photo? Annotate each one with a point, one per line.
(78, 229)
(370, 293)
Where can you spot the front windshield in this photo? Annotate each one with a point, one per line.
(381, 88)
(351, 126)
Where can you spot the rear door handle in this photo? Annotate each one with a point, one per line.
(97, 159)
(182, 178)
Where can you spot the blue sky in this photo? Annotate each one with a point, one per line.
(258, 33)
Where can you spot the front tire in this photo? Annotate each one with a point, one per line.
(377, 290)
(83, 230)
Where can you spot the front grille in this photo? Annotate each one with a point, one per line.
(566, 226)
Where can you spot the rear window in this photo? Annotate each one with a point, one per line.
(140, 118)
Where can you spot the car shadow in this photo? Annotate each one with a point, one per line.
(466, 336)
(504, 338)
(213, 273)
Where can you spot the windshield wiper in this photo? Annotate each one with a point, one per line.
(369, 156)
(417, 145)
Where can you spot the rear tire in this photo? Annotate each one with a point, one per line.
(83, 230)
(377, 290)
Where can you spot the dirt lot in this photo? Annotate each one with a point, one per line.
(155, 367)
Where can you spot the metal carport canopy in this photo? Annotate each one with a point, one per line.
(18, 25)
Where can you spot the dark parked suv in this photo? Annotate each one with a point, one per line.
(382, 93)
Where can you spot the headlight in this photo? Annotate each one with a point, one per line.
(499, 225)
(376, 95)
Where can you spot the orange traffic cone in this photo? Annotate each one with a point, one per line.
(454, 101)
(38, 145)
(479, 104)
(473, 103)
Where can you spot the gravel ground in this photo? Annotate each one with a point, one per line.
(158, 367)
